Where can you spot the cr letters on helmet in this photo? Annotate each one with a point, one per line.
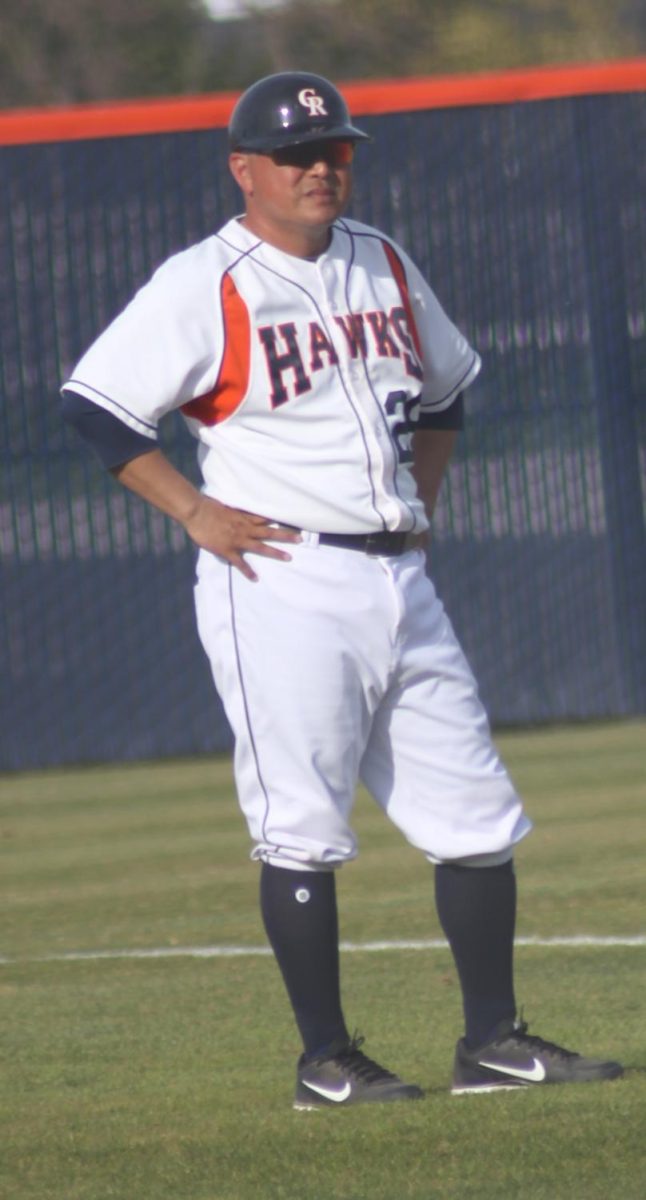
(290, 108)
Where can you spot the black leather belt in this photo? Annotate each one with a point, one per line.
(382, 543)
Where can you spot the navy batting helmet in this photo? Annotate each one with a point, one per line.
(288, 109)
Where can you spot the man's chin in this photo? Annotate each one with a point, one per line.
(323, 209)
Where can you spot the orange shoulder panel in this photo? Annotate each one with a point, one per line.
(399, 275)
(233, 380)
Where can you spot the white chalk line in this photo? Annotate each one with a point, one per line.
(347, 947)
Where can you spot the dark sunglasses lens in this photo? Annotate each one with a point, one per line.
(343, 153)
(336, 154)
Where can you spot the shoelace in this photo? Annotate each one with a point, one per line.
(526, 1039)
(356, 1063)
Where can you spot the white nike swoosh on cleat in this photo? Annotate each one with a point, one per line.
(336, 1096)
(535, 1074)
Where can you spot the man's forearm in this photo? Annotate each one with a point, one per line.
(432, 450)
(152, 477)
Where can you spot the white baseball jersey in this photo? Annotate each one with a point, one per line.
(301, 380)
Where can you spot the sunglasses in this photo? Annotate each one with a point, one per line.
(334, 153)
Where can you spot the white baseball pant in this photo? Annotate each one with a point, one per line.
(336, 667)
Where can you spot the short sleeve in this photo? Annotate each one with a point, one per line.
(161, 351)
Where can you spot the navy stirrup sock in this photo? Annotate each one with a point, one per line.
(300, 917)
(477, 910)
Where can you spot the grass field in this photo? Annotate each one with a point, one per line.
(171, 1078)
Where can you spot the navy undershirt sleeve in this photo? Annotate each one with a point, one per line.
(114, 442)
(449, 418)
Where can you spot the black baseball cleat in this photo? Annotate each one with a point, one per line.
(344, 1075)
(513, 1059)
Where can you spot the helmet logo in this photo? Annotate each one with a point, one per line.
(314, 103)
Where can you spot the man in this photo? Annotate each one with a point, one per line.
(323, 383)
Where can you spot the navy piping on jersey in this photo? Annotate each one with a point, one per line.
(344, 228)
(112, 440)
(448, 418)
(70, 384)
(457, 387)
(241, 253)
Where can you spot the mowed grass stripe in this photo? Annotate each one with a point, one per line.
(152, 952)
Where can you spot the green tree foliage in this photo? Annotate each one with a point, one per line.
(379, 39)
(69, 51)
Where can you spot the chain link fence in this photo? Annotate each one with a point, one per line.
(529, 220)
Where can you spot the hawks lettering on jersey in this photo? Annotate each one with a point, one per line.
(291, 360)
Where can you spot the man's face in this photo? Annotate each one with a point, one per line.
(293, 195)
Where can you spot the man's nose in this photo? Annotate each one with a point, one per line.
(321, 166)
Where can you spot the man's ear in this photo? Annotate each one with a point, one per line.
(239, 167)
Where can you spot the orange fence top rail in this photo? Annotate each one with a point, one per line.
(124, 118)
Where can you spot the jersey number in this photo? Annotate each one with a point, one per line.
(406, 409)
